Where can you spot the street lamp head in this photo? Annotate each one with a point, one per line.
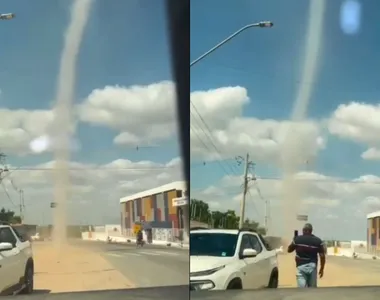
(266, 24)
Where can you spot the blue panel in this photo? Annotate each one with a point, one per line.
(139, 207)
(133, 211)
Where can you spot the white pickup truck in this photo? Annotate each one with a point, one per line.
(16, 262)
(223, 259)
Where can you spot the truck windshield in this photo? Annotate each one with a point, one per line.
(213, 244)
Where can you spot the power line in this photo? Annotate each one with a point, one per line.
(266, 203)
(254, 204)
(92, 168)
(209, 137)
(7, 194)
(330, 180)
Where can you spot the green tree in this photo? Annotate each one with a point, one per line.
(254, 225)
(199, 211)
(9, 216)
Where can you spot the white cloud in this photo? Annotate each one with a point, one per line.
(371, 154)
(19, 127)
(141, 114)
(95, 189)
(359, 123)
(229, 131)
(336, 207)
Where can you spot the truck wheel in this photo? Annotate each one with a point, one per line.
(235, 284)
(29, 279)
(273, 280)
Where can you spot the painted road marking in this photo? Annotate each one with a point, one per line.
(150, 253)
(142, 253)
(168, 253)
(114, 254)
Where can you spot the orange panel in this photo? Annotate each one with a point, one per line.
(147, 208)
(172, 209)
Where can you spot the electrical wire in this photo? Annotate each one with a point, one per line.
(209, 137)
(207, 133)
(253, 204)
(7, 194)
(331, 180)
(92, 168)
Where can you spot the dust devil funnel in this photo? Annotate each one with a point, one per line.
(63, 124)
(292, 149)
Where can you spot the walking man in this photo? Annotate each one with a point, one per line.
(308, 247)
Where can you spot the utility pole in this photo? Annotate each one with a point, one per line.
(22, 205)
(247, 165)
(266, 218)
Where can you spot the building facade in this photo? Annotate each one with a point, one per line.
(156, 207)
(373, 232)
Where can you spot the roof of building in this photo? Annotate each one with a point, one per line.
(177, 185)
(374, 214)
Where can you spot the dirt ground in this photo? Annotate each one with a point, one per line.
(73, 269)
(337, 273)
(78, 269)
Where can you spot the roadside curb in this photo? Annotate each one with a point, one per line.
(160, 243)
(168, 244)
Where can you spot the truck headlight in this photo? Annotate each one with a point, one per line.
(203, 285)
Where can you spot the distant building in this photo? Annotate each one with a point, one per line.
(373, 231)
(160, 207)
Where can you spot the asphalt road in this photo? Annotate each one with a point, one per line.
(367, 265)
(148, 266)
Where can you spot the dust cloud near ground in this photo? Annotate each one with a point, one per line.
(78, 270)
(63, 121)
(293, 148)
(338, 272)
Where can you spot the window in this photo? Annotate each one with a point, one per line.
(265, 243)
(245, 243)
(255, 243)
(21, 236)
(250, 241)
(213, 244)
(7, 236)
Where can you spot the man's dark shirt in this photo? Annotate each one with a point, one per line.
(307, 248)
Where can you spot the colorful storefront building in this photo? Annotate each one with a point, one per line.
(373, 231)
(157, 207)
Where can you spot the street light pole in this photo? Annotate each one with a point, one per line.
(264, 24)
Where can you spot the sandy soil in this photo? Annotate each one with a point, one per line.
(74, 269)
(337, 273)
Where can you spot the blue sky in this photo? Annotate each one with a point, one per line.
(268, 64)
(124, 44)
(33, 47)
